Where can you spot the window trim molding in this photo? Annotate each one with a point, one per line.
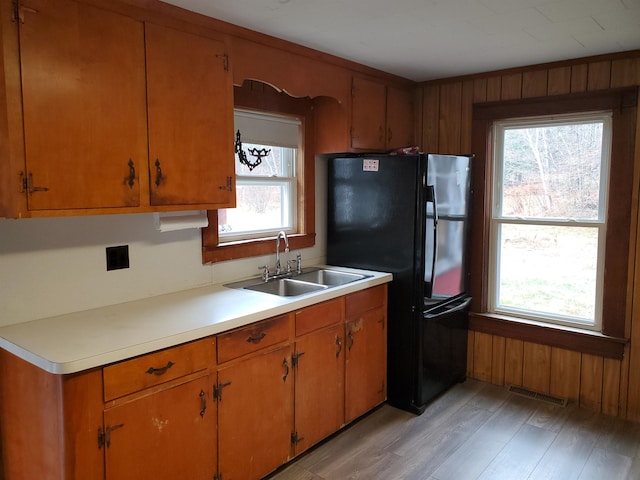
(610, 341)
(256, 95)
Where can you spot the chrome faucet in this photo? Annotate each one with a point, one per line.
(286, 249)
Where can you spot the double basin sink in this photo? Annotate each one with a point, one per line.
(294, 284)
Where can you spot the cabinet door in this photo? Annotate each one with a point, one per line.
(366, 363)
(190, 103)
(255, 415)
(85, 125)
(368, 110)
(399, 118)
(319, 389)
(167, 434)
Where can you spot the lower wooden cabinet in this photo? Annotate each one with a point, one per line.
(255, 414)
(366, 351)
(319, 386)
(165, 434)
(232, 406)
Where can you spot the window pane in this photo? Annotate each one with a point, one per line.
(548, 269)
(275, 161)
(260, 207)
(552, 171)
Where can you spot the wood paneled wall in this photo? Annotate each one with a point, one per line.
(603, 384)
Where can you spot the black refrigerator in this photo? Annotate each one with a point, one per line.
(409, 215)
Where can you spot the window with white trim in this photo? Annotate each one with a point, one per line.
(266, 189)
(548, 218)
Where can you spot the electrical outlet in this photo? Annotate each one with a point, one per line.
(117, 257)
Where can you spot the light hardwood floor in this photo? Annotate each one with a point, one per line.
(477, 431)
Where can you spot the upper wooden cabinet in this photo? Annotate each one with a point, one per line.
(190, 102)
(121, 115)
(83, 95)
(381, 115)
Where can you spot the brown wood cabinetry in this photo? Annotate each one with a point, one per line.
(277, 387)
(319, 373)
(381, 115)
(366, 352)
(83, 91)
(168, 433)
(160, 407)
(255, 414)
(190, 119)
(94, 82)
(400, 119)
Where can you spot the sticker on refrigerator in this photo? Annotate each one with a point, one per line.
(370, 165)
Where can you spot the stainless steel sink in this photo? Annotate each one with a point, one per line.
(286, 287)
(294, 284)
(329, 277)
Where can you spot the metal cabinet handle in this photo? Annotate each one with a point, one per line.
(285, 364)
(338, 345)
(159, 176)
(350, 343)
(256, 339)
(131, 179)
(161, 370)
(203, 403)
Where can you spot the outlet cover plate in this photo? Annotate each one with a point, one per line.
(117, 257)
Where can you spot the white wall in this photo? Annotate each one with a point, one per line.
(52, 266)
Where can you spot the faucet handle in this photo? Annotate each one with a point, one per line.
(298, 263)
(290, 264)
(265, 272)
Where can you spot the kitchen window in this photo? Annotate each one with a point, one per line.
(548, 218)
(516, 215)
(282, 185)
(267, 148)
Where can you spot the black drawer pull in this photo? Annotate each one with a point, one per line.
(160, 371)
(257, 339)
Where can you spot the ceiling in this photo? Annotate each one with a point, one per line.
(428, 39)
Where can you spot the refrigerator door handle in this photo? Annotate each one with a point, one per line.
(448, 308)
(431, 198)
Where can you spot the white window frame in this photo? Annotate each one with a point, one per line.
(497, 219)
(289, 184)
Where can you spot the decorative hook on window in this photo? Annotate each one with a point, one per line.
(254, 152)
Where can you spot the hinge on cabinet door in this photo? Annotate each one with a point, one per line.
(228, 186)
(225, 61)
(23, 182)
(101, 438)
(295, 439)
(217, 390)
(15, 6)
(104, 435)
(26, 184)
(19, 11)
(294, 358)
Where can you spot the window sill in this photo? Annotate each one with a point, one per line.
(593, 343)
(253, 248)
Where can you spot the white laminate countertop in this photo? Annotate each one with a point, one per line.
(79, 341)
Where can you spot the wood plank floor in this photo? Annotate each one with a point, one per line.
(477, 431)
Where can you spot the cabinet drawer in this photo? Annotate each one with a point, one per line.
(146, 371)
(252, 338)
(359, 302)
(320, 315)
